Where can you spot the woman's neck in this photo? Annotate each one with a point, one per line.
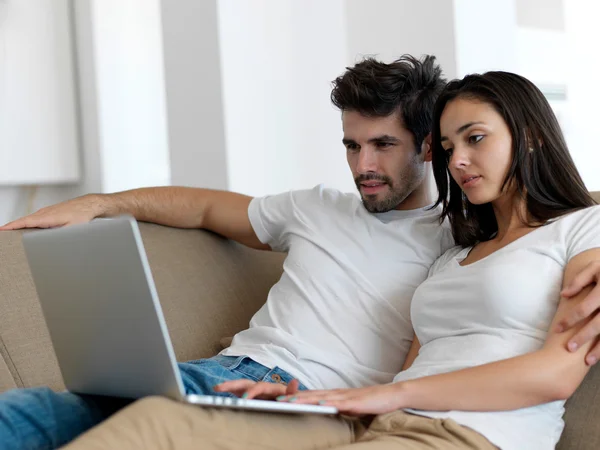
(511, 215)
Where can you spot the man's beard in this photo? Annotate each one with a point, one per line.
(398, 192)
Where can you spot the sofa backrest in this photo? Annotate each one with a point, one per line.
(209, 288)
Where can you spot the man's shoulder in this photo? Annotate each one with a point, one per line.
(332, 193)
(326, 196)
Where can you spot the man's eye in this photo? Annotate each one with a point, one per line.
(475, 138)
(384, 144)
(351, 147)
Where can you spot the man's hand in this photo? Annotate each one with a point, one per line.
(79, 210)
(589, 307)
(355, 402)
(259, 390)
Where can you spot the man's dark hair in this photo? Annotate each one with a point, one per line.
(542, 169)
(408, 86)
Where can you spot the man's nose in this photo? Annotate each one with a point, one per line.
(367, 161)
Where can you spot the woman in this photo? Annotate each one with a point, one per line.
(485, 370)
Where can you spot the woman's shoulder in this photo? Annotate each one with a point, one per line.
(580, 215)
(578, 231)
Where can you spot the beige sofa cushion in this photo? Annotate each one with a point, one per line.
(582, 417)
(26, 347)
(6, 376)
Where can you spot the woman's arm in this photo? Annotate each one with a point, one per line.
(549, 374)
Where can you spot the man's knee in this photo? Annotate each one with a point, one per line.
(30, 401)
(41, 418)
(20, 395)
(151, 422)
(160, 411)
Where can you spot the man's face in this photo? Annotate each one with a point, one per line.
(383, 158)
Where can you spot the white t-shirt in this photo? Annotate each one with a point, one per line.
(497, 308)
(339, 315)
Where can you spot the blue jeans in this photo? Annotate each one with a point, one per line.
(38, 418)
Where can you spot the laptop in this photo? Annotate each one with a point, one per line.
(105, 320)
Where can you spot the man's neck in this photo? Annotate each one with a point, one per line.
(419, 198)
(422, 196)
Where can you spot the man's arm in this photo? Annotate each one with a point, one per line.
(222, 212)
(584, 310)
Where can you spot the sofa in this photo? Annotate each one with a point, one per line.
(209, 288)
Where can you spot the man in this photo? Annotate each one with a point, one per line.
(339, 315)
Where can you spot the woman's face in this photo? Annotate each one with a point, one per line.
(479, 145)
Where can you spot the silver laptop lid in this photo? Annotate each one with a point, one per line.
(102, 309)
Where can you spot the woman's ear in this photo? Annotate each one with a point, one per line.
(426, 148)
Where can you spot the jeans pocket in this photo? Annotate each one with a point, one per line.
(248, 368)
(229, 362)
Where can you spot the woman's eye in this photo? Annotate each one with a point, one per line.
(475, 138)
(449, 150)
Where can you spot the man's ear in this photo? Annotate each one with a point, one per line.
(426, 148)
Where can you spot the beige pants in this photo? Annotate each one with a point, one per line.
(159, 423)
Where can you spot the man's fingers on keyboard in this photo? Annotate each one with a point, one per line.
(293, 387)
(234, 385)
(265, 391)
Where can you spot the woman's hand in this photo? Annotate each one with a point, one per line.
(258, 390)
(355, 402)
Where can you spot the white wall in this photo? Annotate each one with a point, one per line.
(540, 38)
(537, 55)
(485, 41)
(557, 50)
(278, 58)
(394, 27)
(194, 97)
(229, 94)
(16, 201)
(87, 109)
(127, 38)
(120, 103)
(541, 14)
(583, 34)
(38, 133)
